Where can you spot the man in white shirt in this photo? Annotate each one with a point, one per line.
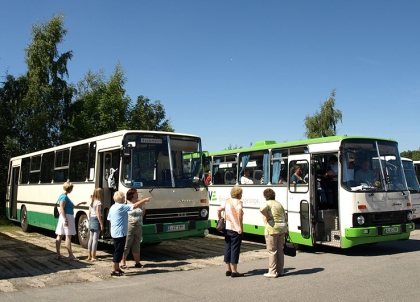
(246, 178)
(365, 175)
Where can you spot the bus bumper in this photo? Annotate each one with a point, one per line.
(166, 231)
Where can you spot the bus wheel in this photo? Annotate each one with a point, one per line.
(83, 231)
(24, 220)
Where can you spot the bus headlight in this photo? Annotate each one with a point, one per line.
(204, 213)
(409, 216)
(361, 220)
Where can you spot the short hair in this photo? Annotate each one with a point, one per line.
(333, 157)
(68, 186)
(236, 192)
(130, 193)
(269, 194)
(119, 197)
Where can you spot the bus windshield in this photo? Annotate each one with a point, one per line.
(370, 165)
(160, 160)
(410, 175)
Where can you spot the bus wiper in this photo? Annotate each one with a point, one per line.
(151, 190)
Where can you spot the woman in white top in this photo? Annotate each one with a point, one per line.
(95, 222)
(233, 233)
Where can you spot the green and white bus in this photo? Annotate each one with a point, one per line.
(413, 185)
(156, 164)
(340, 211)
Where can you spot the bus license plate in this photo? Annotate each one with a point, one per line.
(391, 230)
(175, 228)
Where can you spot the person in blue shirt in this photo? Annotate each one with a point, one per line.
(66, 225)
(118, 218)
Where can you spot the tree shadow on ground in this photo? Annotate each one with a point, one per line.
(23, 259)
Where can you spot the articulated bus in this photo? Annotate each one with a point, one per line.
(340, 211)
(156, 164)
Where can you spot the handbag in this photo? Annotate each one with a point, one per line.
(56, 212)
(289, 247)
(221, 226)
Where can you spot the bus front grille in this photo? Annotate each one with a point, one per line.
(173, 215)
(381, 218)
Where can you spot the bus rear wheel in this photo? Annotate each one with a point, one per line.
(24, 220)
(83, 231)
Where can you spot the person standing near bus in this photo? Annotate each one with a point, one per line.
(275, 228)
(95, 223)
(135, 230)
(66, 225)
(119, 227)
(234, 230)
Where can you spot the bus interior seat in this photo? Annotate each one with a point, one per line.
(229, 177)
(257, 175)
(218, 178)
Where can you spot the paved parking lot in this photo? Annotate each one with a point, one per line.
(28, 259)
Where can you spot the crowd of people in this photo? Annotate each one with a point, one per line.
(126, 221)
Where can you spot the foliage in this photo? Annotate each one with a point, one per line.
(101, 106)
(148, 116)
(233, 147)
(47, 100)
(414, 155)
(323, 123)
(40, 109)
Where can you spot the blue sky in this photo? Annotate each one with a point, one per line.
(236, 72)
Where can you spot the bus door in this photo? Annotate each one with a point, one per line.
(14, 185)
(298, 203)
(108, 181)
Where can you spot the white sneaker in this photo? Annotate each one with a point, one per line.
(268, 275)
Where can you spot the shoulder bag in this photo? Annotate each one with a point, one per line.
(221, 225)
(289, 247)
(56, 212)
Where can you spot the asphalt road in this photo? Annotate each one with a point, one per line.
(193, 270)
(28, 259)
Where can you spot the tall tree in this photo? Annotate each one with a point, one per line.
(11, 93)
(323, 123)
(101, 106)
(48, 98)
(148, 116)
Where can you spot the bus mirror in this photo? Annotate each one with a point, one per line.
(127, 160)
(127, 151)
(350, 157)
(205, 160)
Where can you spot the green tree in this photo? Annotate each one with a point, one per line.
(323, 123)
(148, 116)
(101, 106)
(414, 155)
(11, 92)
(48, 98)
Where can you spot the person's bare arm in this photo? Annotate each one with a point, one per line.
(140, 202)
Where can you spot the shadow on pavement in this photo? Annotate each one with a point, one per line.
(23, 259)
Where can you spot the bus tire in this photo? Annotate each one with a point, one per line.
(24, 224)
(83, 231)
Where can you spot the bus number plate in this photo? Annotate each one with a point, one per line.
(174, 228)
(390, 230)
